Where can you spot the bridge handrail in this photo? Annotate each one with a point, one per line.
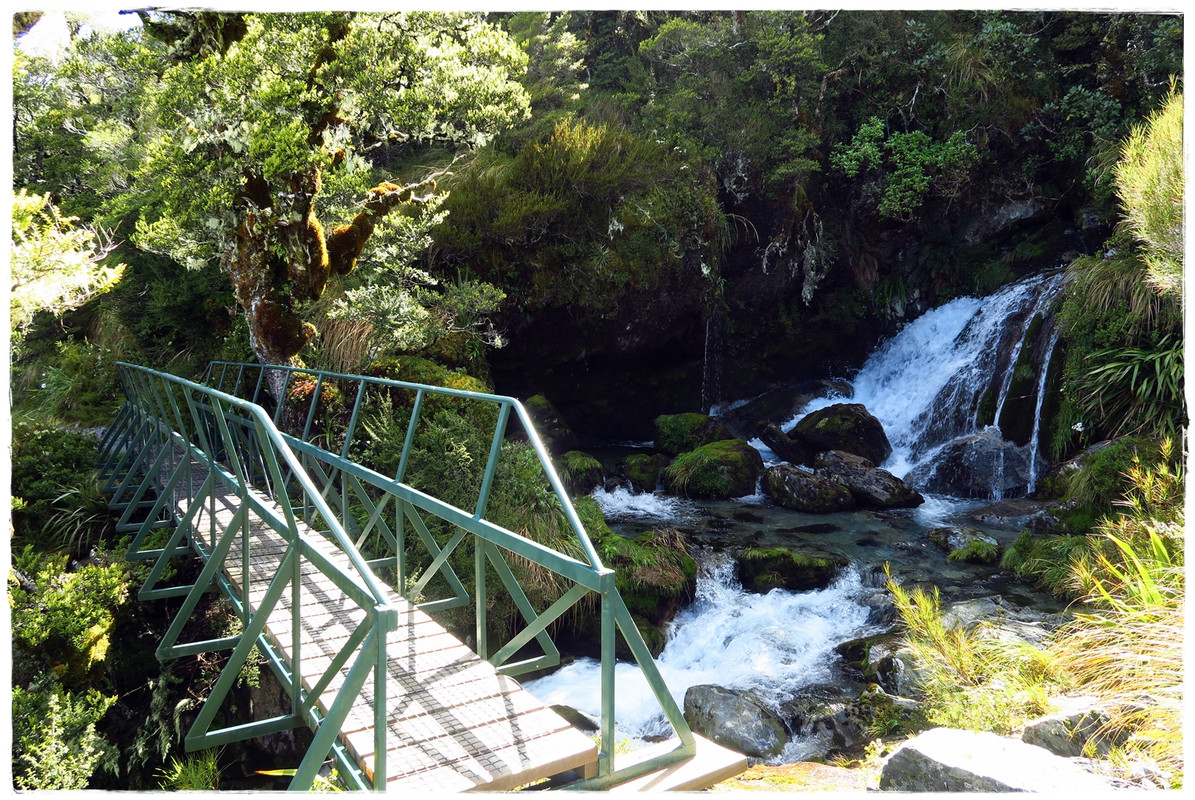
(504, 402)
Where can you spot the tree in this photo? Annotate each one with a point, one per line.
(55, 264)
(265, 133)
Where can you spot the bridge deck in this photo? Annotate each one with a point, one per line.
(455, 724)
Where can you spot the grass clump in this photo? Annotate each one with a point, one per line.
(975, 551)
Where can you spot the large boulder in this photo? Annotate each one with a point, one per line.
(716, 471)
(553, 431)
(946, 760)
(764, 569)
(580, 472)
(735, 719)
(643, 470)
(1080, 727)
(982, 465)
(804, 491)
(872, 487)
(681, 433)
(844, 426)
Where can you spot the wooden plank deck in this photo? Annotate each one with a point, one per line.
(454, 723)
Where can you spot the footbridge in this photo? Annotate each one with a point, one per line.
(267, 481)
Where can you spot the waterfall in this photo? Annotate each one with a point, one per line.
(926, 384)
(1042, 376)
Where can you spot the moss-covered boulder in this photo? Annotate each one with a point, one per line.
(715, 471)
(763, 569)
(553, 431)
(681, 433)
(966, 544)
(580, 472)
(844, 426)
(805, 491)
(643, 470)
(872, 487)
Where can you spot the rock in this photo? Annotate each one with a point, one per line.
(966, 544)
(575, 718)
(681, 433)
(982, 465)
(643, 470)
(893, 666)
(791, 450)
(804, 491)
(871, 486)
(762, 570)
(1079, 725)
(780, 405)
(580, 472)
(733, 719)
(555, 433)
(945, 760)
(799, 777)
(716, 471)
(998, 618)
(844, 426)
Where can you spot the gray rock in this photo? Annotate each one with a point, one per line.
(804, 491)
(945, 760)
(733, 719)
(1080, 724)
(844, 426)
(871, 486)
(982, 465)
(951, 539)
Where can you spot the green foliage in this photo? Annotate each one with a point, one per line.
(55, 265)
(721, 469)
(194, 773)
(580, 472)
(589, 211)
(52, 475)
(911, 166)
(1149, 181)
(55, 743)
(976, 551)
(69, 618)
(972, 681)
(1048, 560)
(78, 385)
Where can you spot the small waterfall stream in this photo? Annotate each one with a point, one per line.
(926, 386)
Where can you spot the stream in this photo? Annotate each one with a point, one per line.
(925, 385)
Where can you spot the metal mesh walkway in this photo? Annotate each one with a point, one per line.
(455, 723)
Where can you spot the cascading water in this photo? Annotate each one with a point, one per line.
(775, 643)
(926, 384)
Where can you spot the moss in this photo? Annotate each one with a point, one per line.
(580, 472)
(644, 470)
(719, 470)
(976, 552)
(761, 570)
(682, 433)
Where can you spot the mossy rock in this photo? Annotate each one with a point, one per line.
(681, 433)
(804, 491)
(716, 471)
(848, 427)
(550, 424)
(643, 470)
(581, 472)
(761, 570)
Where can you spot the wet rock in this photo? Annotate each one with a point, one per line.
(872, 487)
(762, 570)
(982, 465)
(946, 760)
(848, 427)
(804, 491)
(777, 406)
(997, 618)
(734, 719)
(1079, 728)
(716, 471)
(681, 433)
(794, 451)
(577, 719)
(643, 470)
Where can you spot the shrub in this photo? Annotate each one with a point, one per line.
(48, 463)
(55, 743)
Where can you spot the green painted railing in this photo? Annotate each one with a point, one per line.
(305, 452)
